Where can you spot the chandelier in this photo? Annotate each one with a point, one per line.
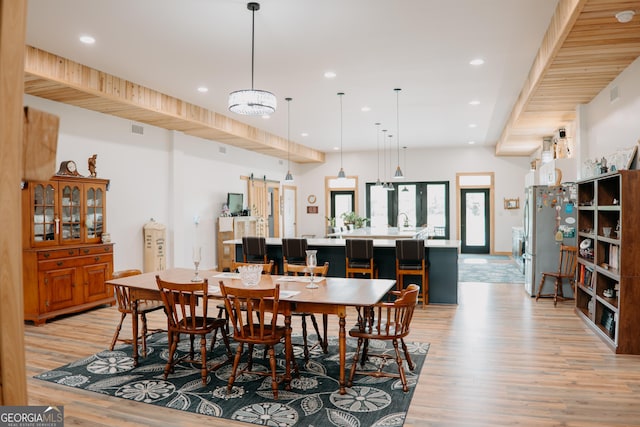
(252, 102)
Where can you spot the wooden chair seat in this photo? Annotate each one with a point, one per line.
(126, 306)
(387, 321)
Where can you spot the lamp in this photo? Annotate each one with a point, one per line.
(398, 174)
(288, 178)
(252, 102)
(341, 174)
(390, 186)
(378, 183)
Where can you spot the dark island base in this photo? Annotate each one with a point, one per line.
(443, 267)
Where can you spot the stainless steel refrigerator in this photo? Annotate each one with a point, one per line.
(549, 220)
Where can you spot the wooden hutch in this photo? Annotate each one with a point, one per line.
(65, 262)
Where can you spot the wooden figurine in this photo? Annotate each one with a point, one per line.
(92, 165)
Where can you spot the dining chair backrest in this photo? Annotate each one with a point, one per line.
(246, 304)
(254, 249)
(294, 251)
(359, 249)
(266, 268)
(302, 270)
(181, 302)
(411, 251)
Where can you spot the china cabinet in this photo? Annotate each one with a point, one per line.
(65, 262)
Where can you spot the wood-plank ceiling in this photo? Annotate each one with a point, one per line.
(583, 50)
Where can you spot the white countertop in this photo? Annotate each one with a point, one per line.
(382, 243)
(383, 233)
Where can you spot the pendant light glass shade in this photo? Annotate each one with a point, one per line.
(289, 177)
(341, 173)
(398, 174)
(252, 102)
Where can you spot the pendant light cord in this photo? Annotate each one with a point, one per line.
(288, 132)
(340, 94)
(253, 7)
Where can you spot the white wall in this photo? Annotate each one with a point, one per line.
(607, 126)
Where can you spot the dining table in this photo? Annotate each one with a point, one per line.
(332, 296)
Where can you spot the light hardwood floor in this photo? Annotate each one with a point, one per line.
(497, 358)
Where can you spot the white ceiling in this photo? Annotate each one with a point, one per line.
(374, 46)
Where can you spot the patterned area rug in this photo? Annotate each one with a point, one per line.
(313, 399)
(484, 269)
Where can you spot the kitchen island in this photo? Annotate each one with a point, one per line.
(442, 256)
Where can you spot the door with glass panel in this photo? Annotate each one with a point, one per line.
(341, 202)
(474, 227)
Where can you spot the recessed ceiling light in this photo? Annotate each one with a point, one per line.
(330, 74)
(304, 134)
(336, 148)
(471, 142)
(474, 102)
(203, 89)
(266, 116)
(365, 109)
(87, 39)
(625, 16)
(477, 61)
(473, 125)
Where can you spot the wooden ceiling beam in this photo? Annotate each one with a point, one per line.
(62, 80)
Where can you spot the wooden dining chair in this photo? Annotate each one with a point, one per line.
(266, 269)
(260, 304)
(294, 251)
(318, 271)
(126, 306)
(567, 264)
(186, 307)
(385, 321)
(359, 258)
(411, 261)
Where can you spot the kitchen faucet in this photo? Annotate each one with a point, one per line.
(406, 220)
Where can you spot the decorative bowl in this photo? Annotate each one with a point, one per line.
(250, 274)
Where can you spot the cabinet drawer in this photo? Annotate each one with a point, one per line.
(96, 250)
(57, 253)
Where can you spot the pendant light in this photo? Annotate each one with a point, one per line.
(390, 186)
(404, 151)
(398, 174)
(288, 178)
(378, 183)
(384, 158)
(252, 102)
(341, 174)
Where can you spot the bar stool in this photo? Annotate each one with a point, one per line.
(359, 258)
(410, 261)
(294, 251)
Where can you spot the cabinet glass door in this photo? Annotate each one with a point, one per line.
(44, 218)
(94, 219)
(70, 214)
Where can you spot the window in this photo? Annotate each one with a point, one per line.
(411, 204)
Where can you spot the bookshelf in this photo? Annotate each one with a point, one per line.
(608, 274)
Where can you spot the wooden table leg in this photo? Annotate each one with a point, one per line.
(342, 341)
(134, 331)
(288, 351)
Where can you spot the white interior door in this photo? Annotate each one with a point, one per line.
(289, 211)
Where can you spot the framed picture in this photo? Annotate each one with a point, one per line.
(512, 203)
